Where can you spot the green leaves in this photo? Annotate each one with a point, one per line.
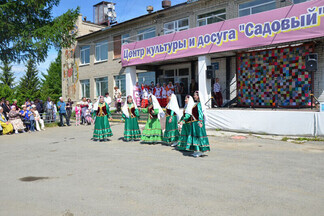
(6, 75)
(27, 29)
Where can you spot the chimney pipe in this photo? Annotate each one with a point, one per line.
(149, 9)
(166, 4)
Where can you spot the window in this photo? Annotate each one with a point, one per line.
(101, 86)
(256, 6)
(146, 78)
(175, 26)
(101, 51)
(120, 82)
(85, 88)
(125, 39)
(212, 17)
(85, 55)
(146, 33)
(117, 46)
(299, 1)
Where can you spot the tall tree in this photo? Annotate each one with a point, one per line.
(29, 84)
(52, 82)
(28, 29)
(7, 76)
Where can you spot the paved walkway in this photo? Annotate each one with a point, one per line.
(251, 176)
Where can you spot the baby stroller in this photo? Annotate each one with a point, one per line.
(88, 118)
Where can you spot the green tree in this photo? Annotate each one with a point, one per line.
(7, 76)
(29, 84)
(7, 92)
(52, 82)
(28, 29)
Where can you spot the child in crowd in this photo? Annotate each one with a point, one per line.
(87, 117)
(77, 114)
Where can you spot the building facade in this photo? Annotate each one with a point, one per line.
(97, 55)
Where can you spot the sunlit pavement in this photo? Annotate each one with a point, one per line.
(60, 171)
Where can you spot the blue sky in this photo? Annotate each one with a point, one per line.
(125, 9)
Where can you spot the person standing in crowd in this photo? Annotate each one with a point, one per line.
(193, 86)
(14, 103)
(69, 105)
(49, 110)
(77, 114)
(32, 119)
(38, 119)
(84, 106)
(119, 103)
(173, 115)
(158, 93)
(28, 103)
(25, 114)
(130, 116)
(153, 132)
(145, 96)
(5, 126)
(38, 106)
(218, 93)
(102, 129)
(62, 112)
(152, 87)
(116, 93)
(137, 94)
(54, 110)
(108, 99)
(164, 96)
(6, 108)
(185, 122)
(15, 120)
(170, 89)
(178, 93)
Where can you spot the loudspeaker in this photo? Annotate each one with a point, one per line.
(311, 62)
(209, 72)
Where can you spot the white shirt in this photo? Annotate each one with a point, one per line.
(108, 100)
(217, 87)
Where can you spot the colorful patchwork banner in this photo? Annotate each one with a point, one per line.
(274, 77)
(296, 22)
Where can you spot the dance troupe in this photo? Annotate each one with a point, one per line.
(186, 130)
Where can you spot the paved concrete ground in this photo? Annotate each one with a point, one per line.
(252, 176)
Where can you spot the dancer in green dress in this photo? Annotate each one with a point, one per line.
(199, 143)
(130, 115)
(186, 123)
(173, 115)
(152, 132)
(102, 128)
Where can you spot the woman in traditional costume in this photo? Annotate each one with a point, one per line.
(173, 115)
(130, 115)
(199, 143)
(102, 128)
(152, 132)
(186, 123)
(7, 127)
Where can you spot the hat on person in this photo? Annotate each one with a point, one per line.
(33, 106)
(23, 106)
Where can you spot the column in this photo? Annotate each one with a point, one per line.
(130, 79)
(204, 84)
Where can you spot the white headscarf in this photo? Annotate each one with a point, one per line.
(125, 107)
(189, 105)
(203, 105)
(156, 105)
(96, 105)
(174, 106)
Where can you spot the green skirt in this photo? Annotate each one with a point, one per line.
(198, 140)
(101, 129)
(131, 131)
(185, 133)
(171, 133)
(152, 132)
